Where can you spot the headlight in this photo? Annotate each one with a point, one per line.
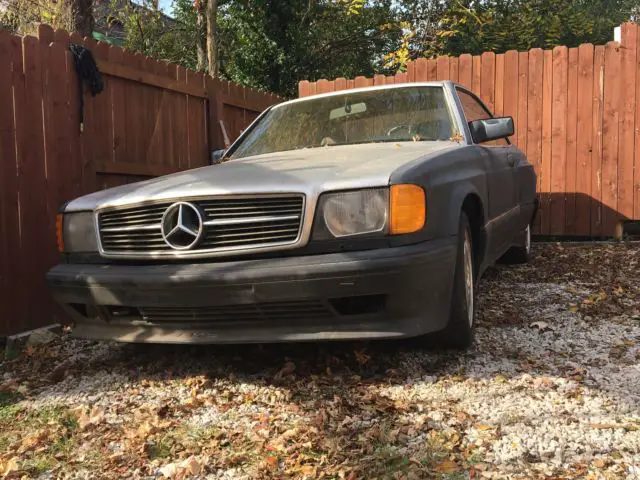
(356, 213)
(78, 232)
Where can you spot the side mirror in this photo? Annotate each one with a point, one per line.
(217, 155)
(491, 129)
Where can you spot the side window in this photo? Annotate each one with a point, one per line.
(473, 110)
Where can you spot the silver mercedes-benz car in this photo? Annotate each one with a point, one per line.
(366, 213)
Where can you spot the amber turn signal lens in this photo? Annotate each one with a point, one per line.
(408, 209)
(59, 234)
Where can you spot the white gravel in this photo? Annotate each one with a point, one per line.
(545, 389)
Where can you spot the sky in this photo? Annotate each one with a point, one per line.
(165, 6)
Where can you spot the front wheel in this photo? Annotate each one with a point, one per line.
(458, 333)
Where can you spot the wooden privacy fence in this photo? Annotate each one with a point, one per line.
(151, 119)
(577, 117)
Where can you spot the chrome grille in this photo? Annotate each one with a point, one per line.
(228, 223)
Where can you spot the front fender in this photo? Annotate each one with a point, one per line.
(459, 192)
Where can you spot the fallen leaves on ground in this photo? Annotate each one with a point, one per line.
(548, 381)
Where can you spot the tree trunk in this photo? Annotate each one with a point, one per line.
(212, 53)
(82, 12)
(201, 46)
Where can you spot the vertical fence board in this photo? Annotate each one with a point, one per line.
(193, 117)
(360, 82)
(628, 52)
(421, 70)
(636, 169)
(181, 126)
(454, 66)
(59, 188)
(596, 157)
(100, 126)
(476, 74)
(323, 85)
(523, 74)
(432, 69)
(547, 108)
(572, 126)
(584, 144)
(443, 68)
(499, 90)
(9, 234)
(411, 71)
(32, 185)
(534, 112)
(465, 71)
(303, 88)
(610, 137)
(401, 77)
(559, 141)
(511, 88)
(74, 170)
(488, 79)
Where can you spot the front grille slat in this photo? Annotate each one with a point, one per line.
(259, 312)
(229, 223)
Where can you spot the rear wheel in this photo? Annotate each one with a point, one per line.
(458, 333)
(521, 253)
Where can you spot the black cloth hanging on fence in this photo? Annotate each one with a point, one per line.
(88, 72)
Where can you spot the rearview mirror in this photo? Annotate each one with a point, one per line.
(491, 129)
(349, 109)
(217, 155)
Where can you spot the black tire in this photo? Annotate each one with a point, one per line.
(520, 253)
(458, 334)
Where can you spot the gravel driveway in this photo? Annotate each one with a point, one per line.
(551, 389)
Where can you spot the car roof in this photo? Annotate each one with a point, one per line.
(440, 83)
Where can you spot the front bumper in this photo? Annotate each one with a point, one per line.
(382, 293)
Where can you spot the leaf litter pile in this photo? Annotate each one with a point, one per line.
(551, 389)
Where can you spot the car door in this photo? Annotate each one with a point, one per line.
(500, 159)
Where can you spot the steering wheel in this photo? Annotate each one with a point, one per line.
(409, 129)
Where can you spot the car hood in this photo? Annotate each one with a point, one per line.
(309, 171)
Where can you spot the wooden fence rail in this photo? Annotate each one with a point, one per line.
(577, 117)
(152, 118)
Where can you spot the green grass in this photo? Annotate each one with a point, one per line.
(39, 465)
(160, 448)
(9, 398)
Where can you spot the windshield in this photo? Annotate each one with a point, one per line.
(386, 115)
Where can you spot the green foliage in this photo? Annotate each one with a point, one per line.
(150, 32)
(23, 16)
(272, 44)
(500, 25)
